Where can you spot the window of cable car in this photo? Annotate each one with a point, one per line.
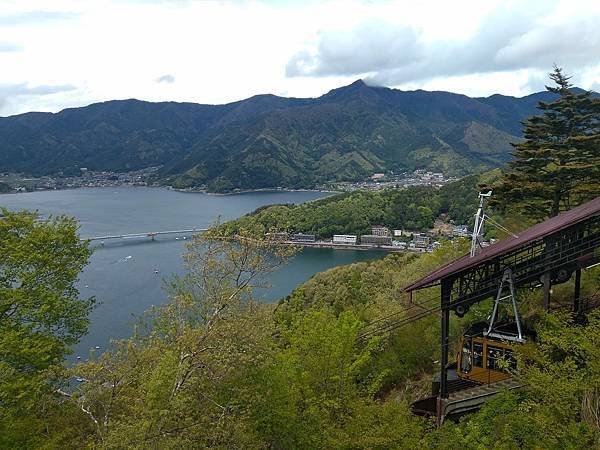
(494, 355)
(478, 354)
(465, 358)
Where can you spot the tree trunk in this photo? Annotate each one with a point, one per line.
(555, 204)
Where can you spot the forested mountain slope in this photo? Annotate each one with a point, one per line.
(268, 141)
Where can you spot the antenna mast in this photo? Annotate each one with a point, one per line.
(477, 237)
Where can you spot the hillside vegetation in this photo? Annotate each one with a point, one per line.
(268, 141)
(412, 208)
(216, 369)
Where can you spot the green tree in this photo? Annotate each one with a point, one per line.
(41, 314)
(176, 385)
(557, 166)
(311, 394)
(310, 385)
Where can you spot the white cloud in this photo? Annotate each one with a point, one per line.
(525, 37)
(22, 93)
(223, 50)
(373, 45)
(9, 47)
(26, 90)
(168, 78)
(36, 18)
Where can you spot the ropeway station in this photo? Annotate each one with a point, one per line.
(549, 253)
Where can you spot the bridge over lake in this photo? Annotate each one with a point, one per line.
(150, 234)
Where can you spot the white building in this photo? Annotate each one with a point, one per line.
(303, 237)
(380, 230)
(373, 239)
(421, 240)
(348, 239)
(461, 231)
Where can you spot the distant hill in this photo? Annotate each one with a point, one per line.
(410, 208)
(269, 141)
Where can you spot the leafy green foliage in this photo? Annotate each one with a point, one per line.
(311, 394)
(372, 291)
(178, 384)
(311, 380)
(41, 315)
(40, 312)
(215, 369)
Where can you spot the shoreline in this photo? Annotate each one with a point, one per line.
(360, 247)
(170, 188)
(249, 191)
(77, 188)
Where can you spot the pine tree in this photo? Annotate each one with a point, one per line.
(557, 166)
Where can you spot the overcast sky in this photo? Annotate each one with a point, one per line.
(61, 53)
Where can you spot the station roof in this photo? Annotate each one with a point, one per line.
(539, 231)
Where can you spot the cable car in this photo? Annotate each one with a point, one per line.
(487, 357)
(486, 349)
(485, 361)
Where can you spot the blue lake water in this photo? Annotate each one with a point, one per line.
(121, 275)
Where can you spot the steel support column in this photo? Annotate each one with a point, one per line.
(577, 296)
(546, 298)
(444, 347)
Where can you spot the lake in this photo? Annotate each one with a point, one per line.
(121, 274)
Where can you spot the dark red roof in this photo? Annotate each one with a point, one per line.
(552, 225)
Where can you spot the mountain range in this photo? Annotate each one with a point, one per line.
(269, 141)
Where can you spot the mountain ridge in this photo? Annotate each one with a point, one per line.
(269, 141)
